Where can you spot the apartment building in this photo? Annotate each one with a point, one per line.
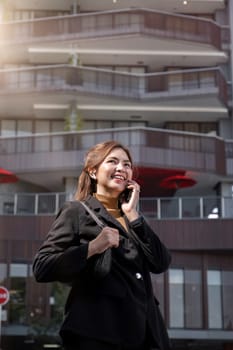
(155, 75)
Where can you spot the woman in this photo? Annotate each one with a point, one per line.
(116, 311)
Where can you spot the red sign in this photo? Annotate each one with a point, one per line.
(4, 295)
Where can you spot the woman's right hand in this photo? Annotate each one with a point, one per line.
(108, 238)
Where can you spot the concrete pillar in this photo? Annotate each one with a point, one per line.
(73, 119)
(75, 8)
(70, 184)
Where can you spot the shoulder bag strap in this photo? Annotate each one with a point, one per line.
(93, 215)
(103, 261)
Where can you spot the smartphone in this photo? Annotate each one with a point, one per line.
(125, 196)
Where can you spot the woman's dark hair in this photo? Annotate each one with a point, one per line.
(94, 157)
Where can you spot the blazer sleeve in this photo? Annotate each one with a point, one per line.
(161, 255)
(61, 257)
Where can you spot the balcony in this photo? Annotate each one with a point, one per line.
(156, 148)
(194, 223)
(206, 88)
(153, 208)
(162, 25)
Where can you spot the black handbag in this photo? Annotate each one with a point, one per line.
(103, 261)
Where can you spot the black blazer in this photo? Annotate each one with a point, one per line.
(119, 307)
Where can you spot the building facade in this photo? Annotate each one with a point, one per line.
(155, 75)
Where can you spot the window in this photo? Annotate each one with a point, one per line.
(18, 274)
(8, 127)
(214, 299)
(185, 298)
(227, 292)
(176, 298)
(193, 299)
(220, 291)
(8, 208)
(158, 289)
(3, 272)
(24, 127)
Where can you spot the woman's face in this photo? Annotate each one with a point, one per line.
(114, 173)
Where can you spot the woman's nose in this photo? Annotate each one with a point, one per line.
(120, 166)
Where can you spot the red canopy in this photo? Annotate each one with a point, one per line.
(177, 181)
(7, 176)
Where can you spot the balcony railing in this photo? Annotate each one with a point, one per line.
(167, 148)
(152, 208)
(110, 23)
(106, 82)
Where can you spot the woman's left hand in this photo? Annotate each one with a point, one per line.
(129, 207)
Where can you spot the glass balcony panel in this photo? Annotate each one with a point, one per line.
(25, 204)
(89, 80)
(42, 144)
(122, 84)
(191, 207)
(8, 146)
(26, 79)
(207, 79)
(88, 23)
(42, 80)
(175, 82)
(149, 207)
(107, 135)
(46, 203)
(212, 207)
(87, 140)
(62, 198)
(7, 204)
(169, 208)
(123, 137)
(136, 138)
(227, 207)
(122, 20)
(190, 81)
(104, 81)
(58, 143)
(103, 22)
(24, 145)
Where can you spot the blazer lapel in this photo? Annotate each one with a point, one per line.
(103, 214)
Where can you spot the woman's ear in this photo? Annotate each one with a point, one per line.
(92, 174)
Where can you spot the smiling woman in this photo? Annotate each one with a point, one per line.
(116, 310)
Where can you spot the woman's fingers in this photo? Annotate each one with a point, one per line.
(108, 238)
